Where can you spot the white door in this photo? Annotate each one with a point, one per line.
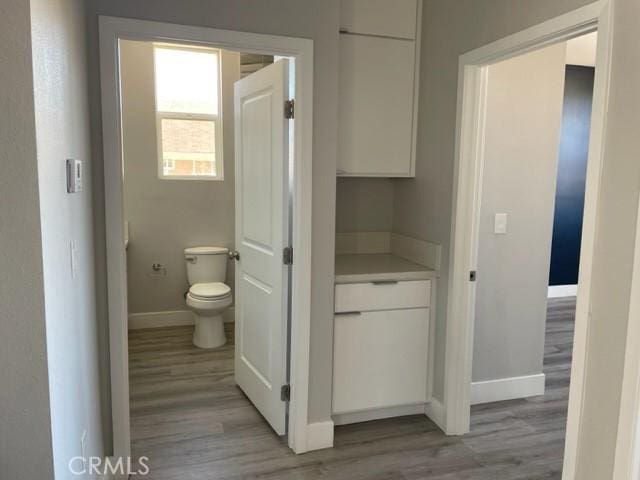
(261, 143)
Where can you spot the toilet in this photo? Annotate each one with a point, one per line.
(208, 295)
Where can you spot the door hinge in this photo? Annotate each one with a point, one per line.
(472, 276)
(289, 108)
(287, 256)
(285, 393)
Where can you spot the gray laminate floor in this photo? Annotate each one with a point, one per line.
(192, 422)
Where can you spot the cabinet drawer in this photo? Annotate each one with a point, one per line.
(362, 297)
(380, 17)
(380, 359)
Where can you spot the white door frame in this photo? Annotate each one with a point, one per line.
(627, 457)
(111, 31)
(473, 67)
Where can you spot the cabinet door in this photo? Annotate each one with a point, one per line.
(380, 359)
(397, 18)
(376, 103)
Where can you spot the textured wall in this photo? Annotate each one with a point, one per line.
(25, 432)
(522, 135)
(62, 129)
(165, 216)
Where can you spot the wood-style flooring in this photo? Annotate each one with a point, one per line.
(192, 422)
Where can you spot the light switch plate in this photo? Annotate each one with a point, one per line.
(500, 224)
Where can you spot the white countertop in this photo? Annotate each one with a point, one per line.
(379, 266)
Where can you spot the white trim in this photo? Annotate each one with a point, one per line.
(175, 318)
(436, 413)
(378, 414)
(111, 31)
(560, 291)
(627, 456)
(319, 435)
(170, 318)
(467, 171)
(507, 389)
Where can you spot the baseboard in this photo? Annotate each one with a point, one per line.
(507, 389)
(377, 414)
(174, 318)
(319, 435)
(436, 413)
(558, 291)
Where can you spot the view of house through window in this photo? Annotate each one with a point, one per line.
(188, 117)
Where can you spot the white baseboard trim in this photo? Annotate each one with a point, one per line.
(559, 291)
(436, 412)
(174, 318)
(319, 435)
(377, 414)
(507, 389)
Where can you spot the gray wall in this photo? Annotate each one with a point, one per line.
(25, 434)
(165, 216)
(364, 205)
(62, 131)
(614, 249)
(308, 19)
(522, 137)
(422, 207)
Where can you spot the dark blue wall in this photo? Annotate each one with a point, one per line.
(572, 172)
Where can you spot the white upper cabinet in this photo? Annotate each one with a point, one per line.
(377, 89)
(396, 18)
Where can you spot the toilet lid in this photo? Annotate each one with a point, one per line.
(209, 290)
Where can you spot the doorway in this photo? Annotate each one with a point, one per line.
(292, 229)
(473, 79)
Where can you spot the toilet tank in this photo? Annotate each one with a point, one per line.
(206, 264)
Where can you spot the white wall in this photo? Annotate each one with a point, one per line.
(165, 216)
(522, 137)
(62, 131)
(422, 207)
(25, 432)
(318, 21)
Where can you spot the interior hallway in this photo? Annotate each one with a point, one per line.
(188, 416)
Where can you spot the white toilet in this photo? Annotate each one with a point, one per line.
(208, 296)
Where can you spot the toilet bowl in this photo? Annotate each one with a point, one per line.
(208, 301)
(208, 296)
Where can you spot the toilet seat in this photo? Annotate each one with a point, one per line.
(209, 291)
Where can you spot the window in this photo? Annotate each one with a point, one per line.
(188, 113)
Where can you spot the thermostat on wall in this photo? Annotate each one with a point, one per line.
(74, 175)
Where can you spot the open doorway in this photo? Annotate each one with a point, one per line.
(207, 190)
(465, 277)
(187, 194)
(535, 150)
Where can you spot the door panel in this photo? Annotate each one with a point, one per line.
(261, 234)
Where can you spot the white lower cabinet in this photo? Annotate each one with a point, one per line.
(380, 359)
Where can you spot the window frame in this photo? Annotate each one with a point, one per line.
(215, 117)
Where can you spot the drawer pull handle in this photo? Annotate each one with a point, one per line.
(385, 282)
(347, 313)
